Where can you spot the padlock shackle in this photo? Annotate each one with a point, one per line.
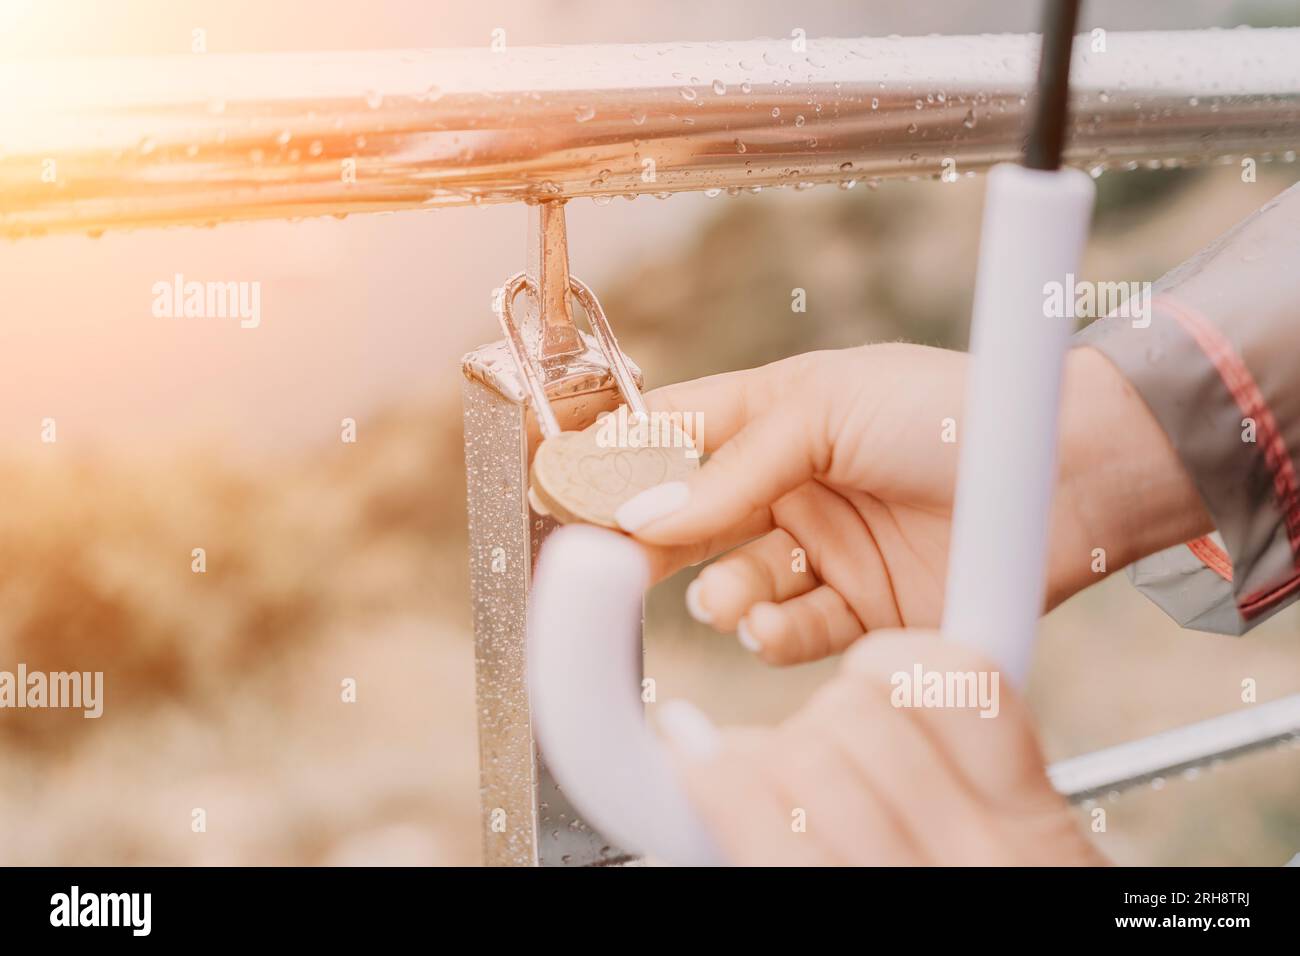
(534, 383)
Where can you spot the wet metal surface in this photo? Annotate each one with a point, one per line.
(198, 139)
(527, 821)
(1179, 751)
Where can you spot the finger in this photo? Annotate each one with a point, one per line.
(908, 771)
(840, 541)
(762, 570)
(771, 455)
(979, 723)
(667, 559)
(918, 556)
(837, 805)
(726, 402)
(747, 816)
(805, 628)
(996, 759)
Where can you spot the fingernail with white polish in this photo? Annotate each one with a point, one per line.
(688, 729)
(653, 503)
(747, 640)
(693, 605)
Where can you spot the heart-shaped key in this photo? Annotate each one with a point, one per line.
(578, 477)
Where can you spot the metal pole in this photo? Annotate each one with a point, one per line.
(196, 139)
(1183, 749)
(526, 819)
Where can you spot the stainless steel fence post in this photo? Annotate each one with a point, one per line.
(526, 820)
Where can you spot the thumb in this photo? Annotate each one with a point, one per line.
(769, 456)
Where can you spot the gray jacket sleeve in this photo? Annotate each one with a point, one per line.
(1216, 357)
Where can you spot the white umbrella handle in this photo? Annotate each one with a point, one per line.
(583, 644)
(1035, 225)
(584, 677)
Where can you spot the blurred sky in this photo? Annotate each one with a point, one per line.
(360, 313)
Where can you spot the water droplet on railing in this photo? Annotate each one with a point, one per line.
(688, 94)
(969, 119)
(875, 103)
(719, 87)
(584, 113)
(374, 99)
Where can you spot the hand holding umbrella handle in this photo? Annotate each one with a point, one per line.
(584, 675)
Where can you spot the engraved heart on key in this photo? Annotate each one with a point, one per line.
(612, 471)
(574, 478)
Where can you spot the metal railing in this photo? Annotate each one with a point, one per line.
(195, 139)
(1178, 751)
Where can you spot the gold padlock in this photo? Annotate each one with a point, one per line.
(584, 476)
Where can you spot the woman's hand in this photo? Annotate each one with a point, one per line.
(836, 472)
(856, 779)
